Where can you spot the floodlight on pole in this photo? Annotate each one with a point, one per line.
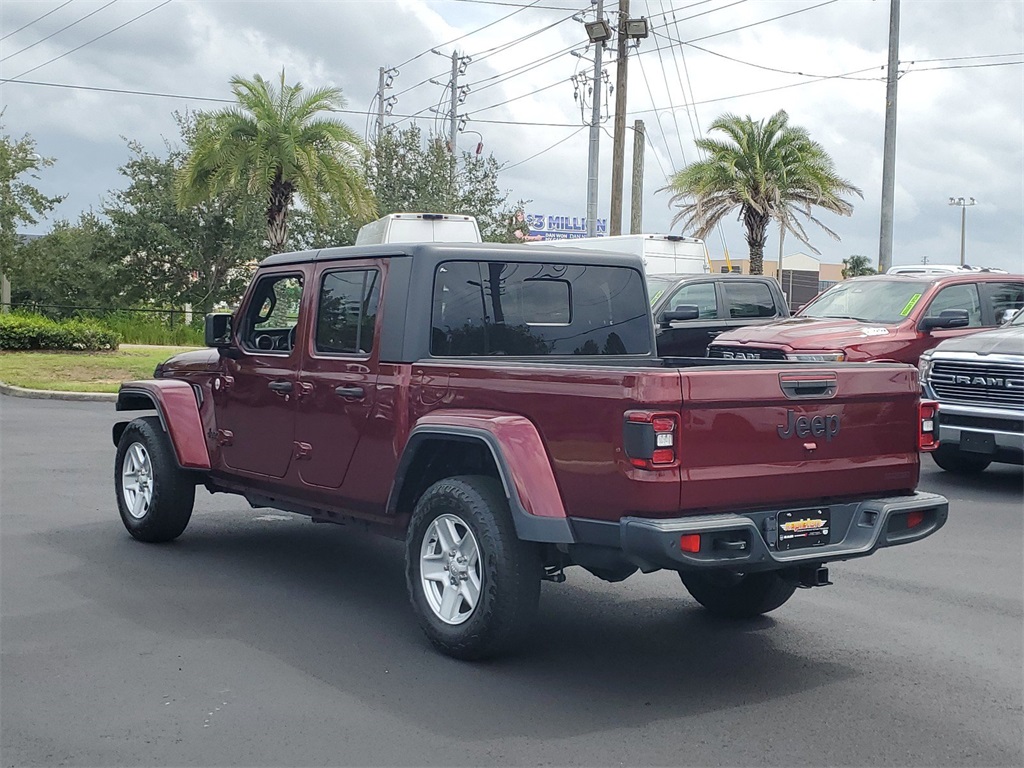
(598, 31)
(637, 29)
(963, 204)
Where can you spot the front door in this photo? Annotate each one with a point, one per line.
(690, 338)
(256, 395)
(339, 372)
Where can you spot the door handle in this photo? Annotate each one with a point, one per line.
(280, 386)
(349, 391)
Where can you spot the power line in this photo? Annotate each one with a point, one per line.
(520, 5)
(38, 18)
(473, 32)
(69, 26)
(560, 81)
(98, 37)
(538, 154)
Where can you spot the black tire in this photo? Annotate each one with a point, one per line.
(173, 489)
(738, 595)
(951, 459)
(508, 575)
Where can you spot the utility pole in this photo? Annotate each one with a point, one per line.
(636, 203)
(889, 149)
(384, 105)
(453, 130)
(594, 158)
(619, 140)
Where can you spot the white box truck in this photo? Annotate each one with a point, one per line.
(420, 228)
(661, 254)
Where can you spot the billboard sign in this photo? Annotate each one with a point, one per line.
(550, 227)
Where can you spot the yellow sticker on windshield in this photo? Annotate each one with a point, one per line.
(910, 304)
(655, 297)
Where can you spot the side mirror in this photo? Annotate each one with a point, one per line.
(218, 330)
(948, 318)
(682, 312)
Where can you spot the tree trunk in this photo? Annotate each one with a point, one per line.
(277, 213)
(756, 225)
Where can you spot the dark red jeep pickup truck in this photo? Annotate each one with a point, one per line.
(502, 410)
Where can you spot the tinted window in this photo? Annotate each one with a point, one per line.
(748, 299)
(507, 308)
(701, 295)
(958, 297)
(1004, 297)
(347, 313)
(272, 313)
(657, 285)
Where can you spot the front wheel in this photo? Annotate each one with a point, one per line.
(952, 459)
(738, 595)
(474, 585)
(154, 495)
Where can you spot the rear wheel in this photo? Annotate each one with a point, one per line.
(738, 595)
(952, 459)
(154, 495)
(474, 585)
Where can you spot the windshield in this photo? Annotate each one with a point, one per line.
(869, 301)
(1018, 319)
(657, 285)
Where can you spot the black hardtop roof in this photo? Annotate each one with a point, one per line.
(438, 252)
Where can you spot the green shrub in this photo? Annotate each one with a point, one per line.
(23, 331)
(152, 328)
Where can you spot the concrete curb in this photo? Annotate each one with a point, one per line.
(49, 394)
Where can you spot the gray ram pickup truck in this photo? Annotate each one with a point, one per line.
(978, 381)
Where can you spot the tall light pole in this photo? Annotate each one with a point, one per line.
(963, 204)
(598, 33)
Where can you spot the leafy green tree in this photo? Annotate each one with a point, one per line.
(200, 255)
(276, 145)
(769, 170)
(20, 202)
(408, 173)
(857, 265)
(73, 266)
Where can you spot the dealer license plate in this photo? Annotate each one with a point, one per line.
(800, 528)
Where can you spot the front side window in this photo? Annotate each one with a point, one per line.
(347, 312)
(1006, 299)
(507, 308)
(958, 297)
(700, 295)
(272, 314)
(869, 301)
(745, 300)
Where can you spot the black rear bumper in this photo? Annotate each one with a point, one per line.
(748, 541)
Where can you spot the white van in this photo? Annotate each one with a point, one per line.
(661, 254)
(420, 228)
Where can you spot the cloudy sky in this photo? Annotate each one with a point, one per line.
(81, 76)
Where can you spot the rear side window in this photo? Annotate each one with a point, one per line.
(508, 308)
(743, 300)
(347, 312)
(963, 296)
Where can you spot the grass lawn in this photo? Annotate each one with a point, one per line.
(82, 371)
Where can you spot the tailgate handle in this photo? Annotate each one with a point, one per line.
(797, 385)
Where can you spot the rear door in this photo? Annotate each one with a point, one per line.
(337, 387)
(758, 435)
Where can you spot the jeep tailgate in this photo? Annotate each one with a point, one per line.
(754, 437)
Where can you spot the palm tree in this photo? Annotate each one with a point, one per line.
(769, 170)
(275, 144)
(857, 265)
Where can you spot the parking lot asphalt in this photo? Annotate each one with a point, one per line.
(259, 638)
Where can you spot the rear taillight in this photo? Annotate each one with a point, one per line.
(649, 439)
(928, 426)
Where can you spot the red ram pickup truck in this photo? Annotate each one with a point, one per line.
(503, 411)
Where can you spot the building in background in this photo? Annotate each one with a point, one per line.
(802, 277)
